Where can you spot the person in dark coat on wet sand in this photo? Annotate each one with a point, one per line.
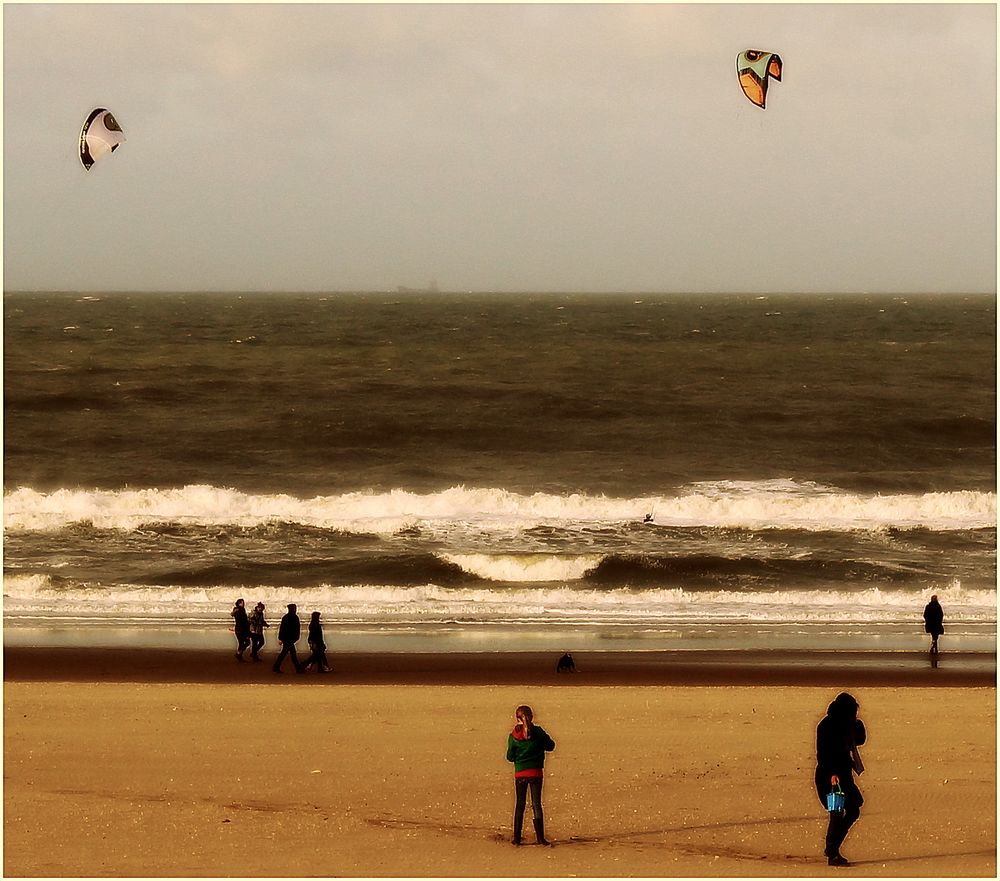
(288, 634)
(241, 626)
(526, 748)
(934, 622)
(257, 625)
(838, 737)
(318, 646)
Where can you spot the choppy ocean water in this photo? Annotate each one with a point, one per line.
(503, 470)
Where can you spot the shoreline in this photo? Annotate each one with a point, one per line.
(977, 641)
(612, 669)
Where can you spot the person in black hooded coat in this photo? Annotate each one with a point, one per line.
(241, 627)
(838, 737)
(934, 622)
(288, 634)
(318, 646)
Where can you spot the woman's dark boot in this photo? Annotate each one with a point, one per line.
(540, 831)
(836, 832)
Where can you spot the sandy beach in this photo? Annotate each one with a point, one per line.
(113, 766)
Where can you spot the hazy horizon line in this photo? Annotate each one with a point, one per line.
(404, 292)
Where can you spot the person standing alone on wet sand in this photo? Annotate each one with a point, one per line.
(526, 748)
(934, 622)
(288, 634)
(241, 626)
(838, 737)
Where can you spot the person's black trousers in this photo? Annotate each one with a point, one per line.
(287, 648)
(521, 787)
(841, 821)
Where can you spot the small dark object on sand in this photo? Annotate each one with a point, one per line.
(566, 664)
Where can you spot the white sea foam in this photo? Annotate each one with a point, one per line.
(525, 568)
(753, 505)
(26, 597)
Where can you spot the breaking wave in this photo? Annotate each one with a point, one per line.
(27, 596)
(694, 572)
(774, 504)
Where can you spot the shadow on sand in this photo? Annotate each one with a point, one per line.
(730, 824)
(629, 837)
(988, 852)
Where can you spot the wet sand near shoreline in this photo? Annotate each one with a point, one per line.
(129, 763)
(833, 669)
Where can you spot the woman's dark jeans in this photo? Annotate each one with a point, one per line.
(521, 786)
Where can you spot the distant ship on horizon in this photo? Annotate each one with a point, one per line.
(432, 288)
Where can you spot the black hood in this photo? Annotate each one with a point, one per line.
(844, 706)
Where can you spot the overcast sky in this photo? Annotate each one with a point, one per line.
(501, 147)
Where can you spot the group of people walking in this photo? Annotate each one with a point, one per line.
(838, 736)
(249, 630)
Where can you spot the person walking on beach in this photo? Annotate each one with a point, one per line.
(241, 627)
(934, 622)
(257, 625)
(316, 644)
(838, 737)
(526, 748)
(288, 634)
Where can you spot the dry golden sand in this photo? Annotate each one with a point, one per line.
(283, 778)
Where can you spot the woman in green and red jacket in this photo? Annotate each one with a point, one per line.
(527, 745)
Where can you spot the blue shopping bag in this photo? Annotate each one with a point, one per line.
(835, 797)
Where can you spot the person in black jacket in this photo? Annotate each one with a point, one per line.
(934, 622)
(288, 634)
(241, 627)
(318, 656)
(838, 737)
